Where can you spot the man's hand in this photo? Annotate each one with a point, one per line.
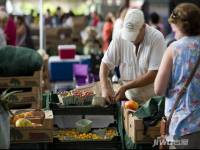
(108, 94)
(106, 88)
(120, 95)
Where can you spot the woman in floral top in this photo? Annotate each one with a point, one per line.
(176, 66)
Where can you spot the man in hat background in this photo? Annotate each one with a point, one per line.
(137, 50)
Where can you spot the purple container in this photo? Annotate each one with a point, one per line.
(80, 72)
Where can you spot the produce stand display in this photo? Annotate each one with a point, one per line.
(49, 138)
(112, 144)
(59, 109)
(70, 138)
(127, 129)
(29, 123)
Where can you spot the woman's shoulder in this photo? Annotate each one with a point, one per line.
(185, 41)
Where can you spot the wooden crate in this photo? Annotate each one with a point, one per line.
(22, 81)
(30, 87)
(32, 98)
(126, 113)
(136, 129)
(38, 134)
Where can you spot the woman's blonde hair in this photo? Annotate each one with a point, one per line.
(187, 17)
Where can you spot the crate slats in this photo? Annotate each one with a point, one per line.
(22, 81)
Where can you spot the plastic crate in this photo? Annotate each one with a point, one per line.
(61, 69)
(83, 125)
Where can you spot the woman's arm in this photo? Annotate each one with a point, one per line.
(162, 78)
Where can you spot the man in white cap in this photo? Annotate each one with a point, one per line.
(138, 51)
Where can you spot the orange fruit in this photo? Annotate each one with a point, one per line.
(16, 117)
(28, 114)
(131, 104)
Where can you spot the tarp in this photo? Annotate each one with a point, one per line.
(19, 61)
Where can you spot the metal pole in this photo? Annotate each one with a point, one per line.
(41, 28)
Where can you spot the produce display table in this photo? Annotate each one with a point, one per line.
(51, 103)
(30, 146)
(59, 109)
(112, 144)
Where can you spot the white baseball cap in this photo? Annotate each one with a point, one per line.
(133, 22)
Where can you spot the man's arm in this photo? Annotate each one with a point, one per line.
(141, 81)
(106, 88)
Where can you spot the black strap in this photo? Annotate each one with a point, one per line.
(182, 91)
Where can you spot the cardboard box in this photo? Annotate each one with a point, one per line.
(136, 131)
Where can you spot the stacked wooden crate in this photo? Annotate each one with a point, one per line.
(29, 87)
(134, 128)
(29, 99)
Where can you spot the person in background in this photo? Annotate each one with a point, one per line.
(3, 20)
(37, 19)
(118, 24)
(48, 18)
(58, 17)
(23, 33)
(91, 42)
(95, 19)
(176, 66)
(99, 27)
(10, 31)
(156, 23)
(68, 20)
(137, 51)
(145, 9)
(107, 31)
(30, 18)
